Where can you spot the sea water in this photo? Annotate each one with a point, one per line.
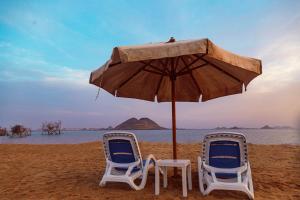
(255, 136)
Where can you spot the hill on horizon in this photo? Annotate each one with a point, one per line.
(139, 124)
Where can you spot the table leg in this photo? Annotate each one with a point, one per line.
(190, 177)
(184, 185)
(156, 179)
(165, 177)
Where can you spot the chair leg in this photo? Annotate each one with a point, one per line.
(208, 190)
(250, 182)
(184, 182)
(165, 176)
(200, 175)
(190, 177)
(201, 187)
(133, 185)
(204, 182)
(248, 192)
(102, 183)
(157, 180)
(251, 190)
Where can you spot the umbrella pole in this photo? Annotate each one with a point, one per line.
(174, 121)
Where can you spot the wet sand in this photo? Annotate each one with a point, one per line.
(74, 171)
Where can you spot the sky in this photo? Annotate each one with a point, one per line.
(49, 48)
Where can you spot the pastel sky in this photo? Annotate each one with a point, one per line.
(49, 48)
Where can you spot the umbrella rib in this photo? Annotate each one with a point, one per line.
(159, 83)
(191, 69)
(136, 73)
(192, 76)
(154, 72)
(193, 62)
(165, 65)
(195, 82)
(161, 78)
(176, 60)
(152, 66)
(224, 72)
(112, 65)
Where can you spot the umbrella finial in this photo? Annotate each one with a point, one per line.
(172, 39)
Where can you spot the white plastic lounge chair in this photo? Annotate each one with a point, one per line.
(124, 162)
(224, 164)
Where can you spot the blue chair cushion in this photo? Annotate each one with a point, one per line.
(224, 154)
(121, 151)
(226, 176)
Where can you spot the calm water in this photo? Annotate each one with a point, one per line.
(256, 136)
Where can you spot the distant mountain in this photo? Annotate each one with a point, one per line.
(266, 127)
(139, 124)
(276, 127)
(234, 127)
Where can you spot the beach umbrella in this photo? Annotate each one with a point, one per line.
(183, 71)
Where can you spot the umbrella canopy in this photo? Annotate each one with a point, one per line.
(185, 71)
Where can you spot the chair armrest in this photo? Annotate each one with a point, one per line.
(132, 165)
(129, 166)
(149, 158)
(145, 169)
(199, 160)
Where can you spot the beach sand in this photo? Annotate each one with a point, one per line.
(74, 171)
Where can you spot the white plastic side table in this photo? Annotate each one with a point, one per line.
(185, 166)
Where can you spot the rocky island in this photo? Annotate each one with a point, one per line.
(139, 124)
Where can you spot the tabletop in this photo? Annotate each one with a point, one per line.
(173, 163)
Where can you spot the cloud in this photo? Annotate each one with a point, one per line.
(20, 64)
(281, 64)
(70, 76)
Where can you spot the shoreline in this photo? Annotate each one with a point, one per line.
(210, 129)
(272, 137)
(145, 142)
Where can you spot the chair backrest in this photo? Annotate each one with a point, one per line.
(225, 150)
(121, 147)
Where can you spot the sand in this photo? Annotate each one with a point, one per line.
(74, 171)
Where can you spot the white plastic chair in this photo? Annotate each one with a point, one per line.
(124, 162)
(224, 164)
